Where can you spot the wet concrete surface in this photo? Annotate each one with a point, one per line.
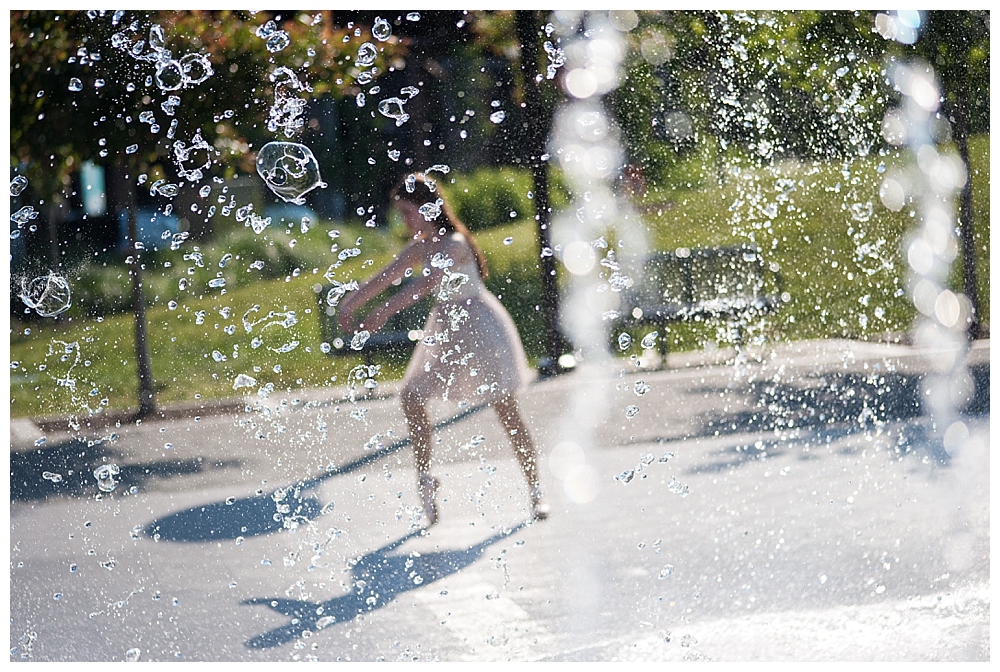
(795, 505)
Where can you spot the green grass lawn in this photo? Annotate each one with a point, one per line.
(841, 262)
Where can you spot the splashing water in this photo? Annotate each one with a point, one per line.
(431, 211)
(277, 41)
(289, 169)
(17, 185)
(48, 295)
(243, 380)
(381, 30)
(367, 53)
(393, 108)
(288, 107)
(106, 477)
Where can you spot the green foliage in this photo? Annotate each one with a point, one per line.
(486, 197)
(816, 238)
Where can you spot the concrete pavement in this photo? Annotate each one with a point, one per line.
(794, 506)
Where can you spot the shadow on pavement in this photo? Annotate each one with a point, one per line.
(378, 578)
(268, 512)
(247, 517)
(831, 404)
(72, 464)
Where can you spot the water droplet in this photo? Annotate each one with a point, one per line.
(677, 487)
(51, 476)
(431, 211)
(17, 185)
(393, 108)
(508, 240)
(57, 596)
(413, 16)
(169, 106)
(217, 282)
(666, 457)
(640, 388)
(367, 54)
(133, 655)
(624, 341)
(649, 340)
(105, 475)
(25, 214)
(498, 116)
(195, 69)
(665, 572)
(381, 30)
(393, 154)
(289, 169)
(631, 411)
(278, 41)
(47, 295)
(169, 76)
(218, 356)
(359, 339)
(75, 84)
(626, 476)
(409, 91)
(244, 380)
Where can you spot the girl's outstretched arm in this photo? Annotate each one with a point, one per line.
(414, 291)
(411, 256)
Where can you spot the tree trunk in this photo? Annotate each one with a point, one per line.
(965, 217)
(538, 122)
(123, 192)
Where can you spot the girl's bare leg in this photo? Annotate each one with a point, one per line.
(510, 417)
(420, 438)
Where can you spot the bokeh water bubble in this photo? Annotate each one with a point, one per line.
(289, 169)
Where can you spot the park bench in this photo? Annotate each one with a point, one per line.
(733, 283)
(398, 336)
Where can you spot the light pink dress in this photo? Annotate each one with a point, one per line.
(470, 350)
